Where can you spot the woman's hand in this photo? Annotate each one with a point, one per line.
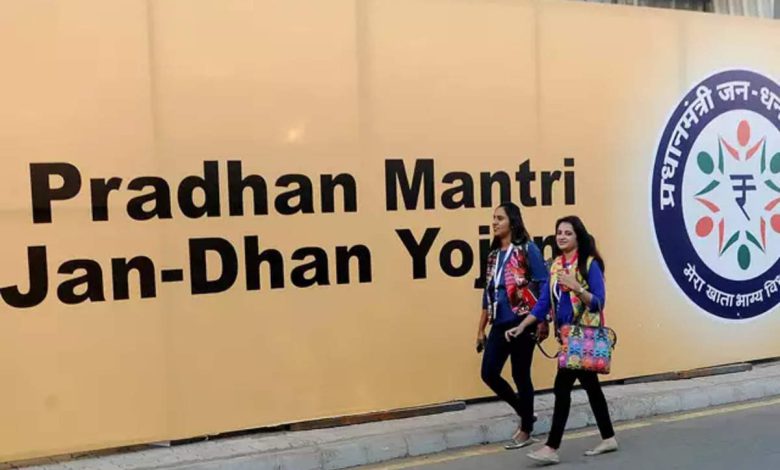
(569, 281)
(513, 332)
(480, 341)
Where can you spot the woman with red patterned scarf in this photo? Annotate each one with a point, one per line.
(515, 270)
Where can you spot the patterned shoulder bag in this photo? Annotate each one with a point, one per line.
(584, 347)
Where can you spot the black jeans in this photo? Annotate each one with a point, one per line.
(521, 349)
(564, 382)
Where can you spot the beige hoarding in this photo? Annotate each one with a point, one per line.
(232, 242)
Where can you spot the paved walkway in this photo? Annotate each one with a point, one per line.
(349, 446)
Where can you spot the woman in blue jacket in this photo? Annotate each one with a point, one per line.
(515, 269)
(576, 293)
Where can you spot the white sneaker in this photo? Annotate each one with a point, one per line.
(517, 444)
(545, 456)
(607, 445)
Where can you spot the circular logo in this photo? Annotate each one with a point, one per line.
(716, 194)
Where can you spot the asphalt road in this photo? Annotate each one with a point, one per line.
(741, 437)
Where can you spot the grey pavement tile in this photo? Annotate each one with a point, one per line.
(667, 403)
(500, 429)
(577, 419)
(694, 400)
(349, 454)
(425, 442)
(721, 394)
(381, 449)
(464, 436)
(300, 459)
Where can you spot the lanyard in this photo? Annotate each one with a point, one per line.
(498, 271)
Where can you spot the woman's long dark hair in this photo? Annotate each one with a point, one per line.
(516, 226)
(586, 245)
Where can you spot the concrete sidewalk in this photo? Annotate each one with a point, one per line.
(350, 446)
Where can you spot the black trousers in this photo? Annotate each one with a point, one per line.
(564, 382)
(520, 349)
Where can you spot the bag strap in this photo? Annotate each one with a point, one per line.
(553, 309)
(539, 344)
(615, 334)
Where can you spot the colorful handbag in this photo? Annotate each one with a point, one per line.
(585, 347)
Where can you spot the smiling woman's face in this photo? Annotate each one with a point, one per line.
(565, 237)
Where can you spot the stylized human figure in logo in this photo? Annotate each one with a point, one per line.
(742, 185)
